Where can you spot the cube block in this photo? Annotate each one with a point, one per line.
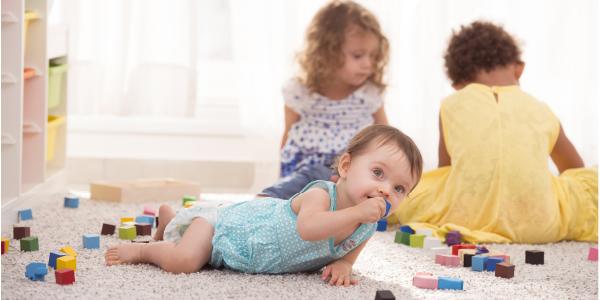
(127, 220)
(467, 260)
(462, 252)
(149, 211)
(424, 231)
(382, 225)
(143, 229)
(54, 255)
(425, 281)
(505, 270)
(416, 240)
(36, 271)
(91, 241)
(108, 229)
(593, 253)
(448, 283)
(384, 295)
(490, 263)
(64, 276)
(68, 250)
(457, 247)
(5, 245)
(66, 262)
(453, 237)
(20, 232)
(144, 220)
(478, 263)
(534, 257)
(187, 198)
(407, 229)
(127, 232)
(71, 202)
(431, 242)
(30, 243)
(481, 250)
(25, 214)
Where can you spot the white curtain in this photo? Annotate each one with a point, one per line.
(177, 58)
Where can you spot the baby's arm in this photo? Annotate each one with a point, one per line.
(341, 269)
(564, 154)
(379, 117)
(291, 117)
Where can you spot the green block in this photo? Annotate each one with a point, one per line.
(188, 198)
(416, 240)
(30, 244)
(402, 238)
(398, 237)
(127, 232)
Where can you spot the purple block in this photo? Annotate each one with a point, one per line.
(453, 237)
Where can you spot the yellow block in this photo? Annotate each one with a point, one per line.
(6, 243)
(68, 250)
(66, 262)
(127, 219)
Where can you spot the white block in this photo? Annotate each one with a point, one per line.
(440, 250)
(424, 231)
(432, 242)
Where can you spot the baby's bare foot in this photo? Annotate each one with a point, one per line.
(123, 254)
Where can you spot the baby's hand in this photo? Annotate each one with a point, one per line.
(340, 272)
(371, 210)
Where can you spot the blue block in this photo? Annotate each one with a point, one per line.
(91, 241)
(382, 225)
(36, 271)
(25, 214)
(54, 255)
(478, 262)
(407, 229)
(490, 264)
(72, 202)
(447, 283)
(144, 219)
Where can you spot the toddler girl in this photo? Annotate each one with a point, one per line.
(327, 224)
(338, 93)
(494, 183)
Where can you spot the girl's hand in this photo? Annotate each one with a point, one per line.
(340, 272)
(371, 210)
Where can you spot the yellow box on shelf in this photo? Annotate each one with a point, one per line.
(56, 76)
(54, 123)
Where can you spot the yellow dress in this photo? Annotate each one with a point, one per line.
(499, 188)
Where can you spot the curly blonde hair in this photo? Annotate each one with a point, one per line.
(325, 37)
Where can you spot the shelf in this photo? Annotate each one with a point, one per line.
(7, 139)
(8, 78)
(8, 17)
(31, 128)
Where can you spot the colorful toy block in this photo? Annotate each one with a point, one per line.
(3, 248)
(440, 259)
(71, 202)
(402, 238)
(447, 283)
(440, 250)
(127, 220)
(534, 257)
(505, 270)
(25, 214)
(478, 262)
(382, 225)
(593, 253)
(424, 231)
(407, 229)
(504, 257)
(20, 232)
(30, 243)
(36, 271)
(91, 241)
(481, 250)
(188, 199)
(453, 237)
(144, 220)
(64, 276)
(384, 295)
(66, 262)
(425, 281)
(462, 252)
(54, 255)
(149, 211)
(447, 260)
(467, 260)
(156, 222)
(143, 229)
(431, 242)
(127, 232)
(108, 229)
(457, 247)
(416, 240)
(490, 263)
(5, 245)
(68, 250)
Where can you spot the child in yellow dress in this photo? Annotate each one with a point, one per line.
(493, 183)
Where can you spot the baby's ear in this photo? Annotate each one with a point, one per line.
(344, 164)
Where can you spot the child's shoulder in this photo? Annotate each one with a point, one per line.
(294, 86)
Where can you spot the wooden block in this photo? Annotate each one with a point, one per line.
(91, 241)
(462, 252)
(20, 232)
(143, 219)
(71, 202)
(440, 259)
(127, 232)
(457, 247)
(64, 276)
(490, 263)
(143, 190)
(453, 237)
(66, 262)
(3, 249)
(108, 229)
(143, 229)
(451, 261)
(149, 211)
(398, 237)
(54, 255)
(407, 229)
(36, 271)
(382, 225)
(424, 231)
(593, 253)
(124, 220)
(425, 281)
(384, 295)
(25, 214)
(478, 263)
(416, 240)
(440, 250)
(431, 242)
(505, 270)
(30, 243)
(448, 283)
(5, 245)
(188, 199)
(68, 250)
(534, 257)
(467, 260)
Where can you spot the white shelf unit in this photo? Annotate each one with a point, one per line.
(25, 99)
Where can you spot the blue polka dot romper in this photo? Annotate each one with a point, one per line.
(325, 126)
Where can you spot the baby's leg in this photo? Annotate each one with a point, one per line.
(165, 214)
(191, 254)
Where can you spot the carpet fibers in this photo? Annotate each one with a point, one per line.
(382, 265)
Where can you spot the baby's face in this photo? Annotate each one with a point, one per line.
(359, 50)
(382, 171)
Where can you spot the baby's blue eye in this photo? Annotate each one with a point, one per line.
(377, 172)
(399, 189)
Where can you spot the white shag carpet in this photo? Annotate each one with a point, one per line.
(567, 274)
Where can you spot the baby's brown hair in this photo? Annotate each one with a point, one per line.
(480, 46)
(325, 36)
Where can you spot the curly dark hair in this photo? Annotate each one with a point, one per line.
(479, 46)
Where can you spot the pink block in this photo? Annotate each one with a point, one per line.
(451, 260)
(593, 253)
(424, 281)
(149, 211)
(440, 259)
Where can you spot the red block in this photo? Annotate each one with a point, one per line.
(457, 247)
(20, 232)
(3, 250)
(64, 276)
(143, 229)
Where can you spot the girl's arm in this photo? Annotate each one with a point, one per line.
(291, 117)
(564, 154)
(379, 116)
(443, 156)
(341, 269)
